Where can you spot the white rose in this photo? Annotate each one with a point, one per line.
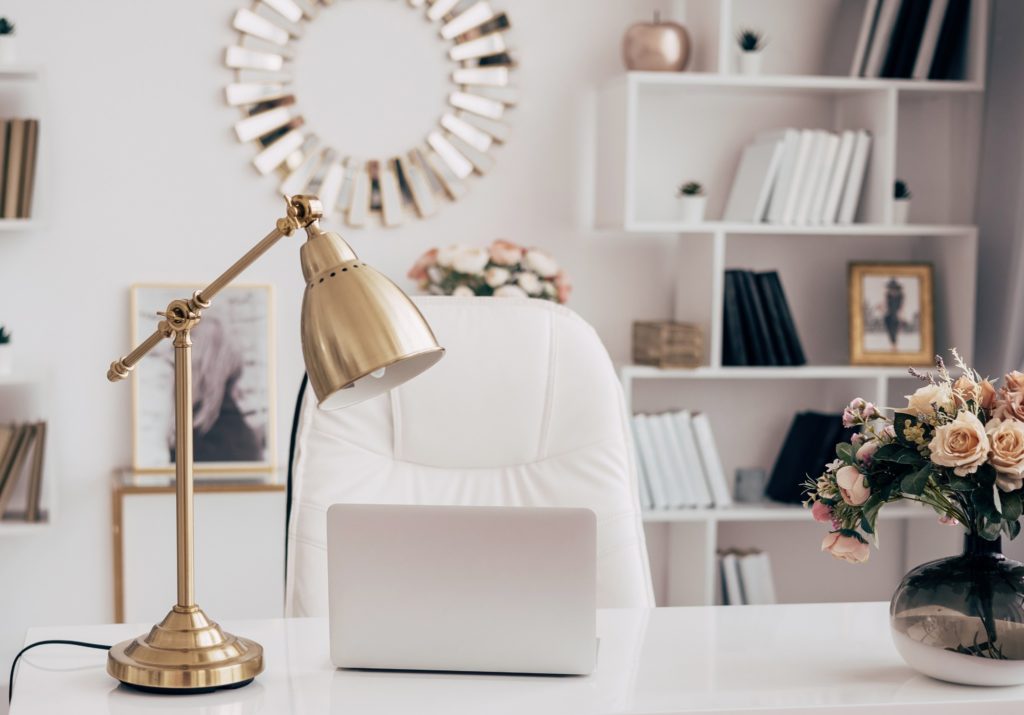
(510, 291)
(496, 276)
(961, 444)
(463, 292)
(446, 256)
(541, 263)
(529, 282)
(927, 398)
(471, 260)
(549, 289)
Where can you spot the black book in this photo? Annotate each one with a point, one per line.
(896, 40)
(810, 444)
(949, 48)
(733, 351)
(774, 316)
(793, 345)
(911, 40)
(755, 323)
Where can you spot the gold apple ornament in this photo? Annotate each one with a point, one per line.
(656, 46)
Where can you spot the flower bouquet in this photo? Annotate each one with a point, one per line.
(957, 447)
(503, 269)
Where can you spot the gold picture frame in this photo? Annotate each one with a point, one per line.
(892, 320)
(237, 430)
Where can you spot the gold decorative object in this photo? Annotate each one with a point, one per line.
(408, 184)
(361, 336)
(656, 46)
(892, 320)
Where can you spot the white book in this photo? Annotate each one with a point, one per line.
(836, 182)
(881, 38)
(642, 483)
(867, 29)
(752, 184)
(855, 180)
(678, 486)
(711, 460)
(821, 187)
(929, 39)
(812, 177)
(809, 140)
(733, 591)
(659, 496)
(767, 581)
(750, 578)
(783, 187)
(683, 427)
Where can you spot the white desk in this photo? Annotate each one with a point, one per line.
(834, 658)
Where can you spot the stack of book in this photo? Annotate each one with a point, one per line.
(18, 149)
(758, 327)
(800, 177)
(919, 39)
(21, 470)
(746, 578)
(678, 463)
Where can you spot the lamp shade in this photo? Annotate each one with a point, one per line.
(361, 335)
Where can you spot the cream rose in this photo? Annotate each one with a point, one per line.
(446, 256)
(961, 444)
(1006, 440)
(496, 276)
(510, 291)
(1011, 397)
(463, 292)
(965, 389)
(847, 548)
(505, 253)
(852, 486)
(927, 398)
(540, 263)
(529, 282)
(471, 260)
(988, 394)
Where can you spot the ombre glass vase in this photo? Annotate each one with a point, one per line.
(961, 619)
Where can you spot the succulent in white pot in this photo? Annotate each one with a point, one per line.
(6, 352)
(692, 202)
(751, 43)
(8, 47)
(901, 202)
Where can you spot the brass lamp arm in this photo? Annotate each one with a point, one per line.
(183, 314)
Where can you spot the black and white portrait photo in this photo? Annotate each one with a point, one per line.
(232, 381)
(890, 313)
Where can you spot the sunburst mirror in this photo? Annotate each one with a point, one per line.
(411, 183)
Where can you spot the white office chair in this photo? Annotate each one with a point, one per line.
(524, 410)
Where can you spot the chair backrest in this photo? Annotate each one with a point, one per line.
(524, 410)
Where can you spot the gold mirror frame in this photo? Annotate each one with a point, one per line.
(354, 187)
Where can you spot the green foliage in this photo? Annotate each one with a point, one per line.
(845, 452)
(691, 188)
(915, 482)
(750, 40)
(902, 190)
(898, 454)
(6, 28)
(5, 337)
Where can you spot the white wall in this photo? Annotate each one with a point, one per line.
(145, 182)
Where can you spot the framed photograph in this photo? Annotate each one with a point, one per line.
(891, 318)
(232, 382)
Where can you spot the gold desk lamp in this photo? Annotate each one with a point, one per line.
(361, 336)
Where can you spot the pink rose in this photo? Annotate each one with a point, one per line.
(821, 512)
(505, 253)
(1011, 397)
(847, 548)
(867, 451)
(563, 286)
(418, 272)
(852, 486)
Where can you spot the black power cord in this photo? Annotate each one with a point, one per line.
(30, 646)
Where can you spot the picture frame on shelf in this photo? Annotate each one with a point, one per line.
(233, 367)
(892, 318)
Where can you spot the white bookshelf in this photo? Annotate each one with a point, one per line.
(657, 130)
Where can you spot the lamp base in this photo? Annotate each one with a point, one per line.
(185, 653)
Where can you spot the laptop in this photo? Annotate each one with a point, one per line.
(458, 588)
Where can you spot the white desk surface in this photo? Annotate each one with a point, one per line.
(834, 658)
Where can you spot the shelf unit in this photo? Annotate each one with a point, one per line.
(656, 130)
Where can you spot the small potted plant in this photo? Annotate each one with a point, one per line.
(901, 201)
(692, 202)
(751, 43)
(7, 47)
(6, 352)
